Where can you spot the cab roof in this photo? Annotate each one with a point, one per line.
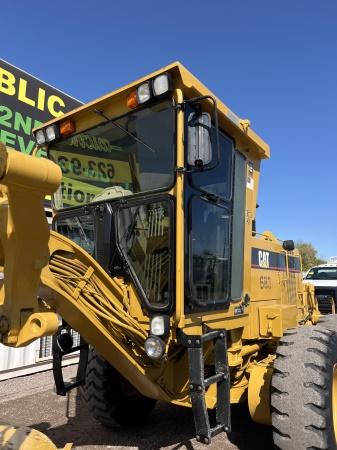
(239, 128)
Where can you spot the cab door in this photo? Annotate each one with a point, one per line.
(214, 207)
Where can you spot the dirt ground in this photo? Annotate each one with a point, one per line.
(31, 401)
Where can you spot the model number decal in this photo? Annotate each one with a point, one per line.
(265, 282)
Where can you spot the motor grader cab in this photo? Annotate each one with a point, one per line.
(156, 262)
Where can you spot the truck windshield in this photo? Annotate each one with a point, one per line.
(322, 273)
(129, 155)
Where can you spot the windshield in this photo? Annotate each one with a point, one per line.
(132, 154)
(145, 234)
(322, 273)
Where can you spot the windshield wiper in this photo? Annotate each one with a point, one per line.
(79, 224)
(117, 125)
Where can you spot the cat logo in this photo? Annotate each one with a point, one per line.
(264, 259)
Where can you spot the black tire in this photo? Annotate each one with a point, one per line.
(111, 399)
(328, 321)
(301, 396)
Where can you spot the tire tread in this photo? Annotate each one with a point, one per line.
(300, 400)
(105, 399)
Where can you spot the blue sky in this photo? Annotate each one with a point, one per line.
(274, 62)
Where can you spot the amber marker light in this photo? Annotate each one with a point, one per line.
(132, 101)
(67, 127)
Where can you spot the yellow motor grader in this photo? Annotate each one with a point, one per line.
(155, 260)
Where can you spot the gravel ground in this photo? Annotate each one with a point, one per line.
(31, 401)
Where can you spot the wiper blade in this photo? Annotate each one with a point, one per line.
(84, 235)
(117, 125)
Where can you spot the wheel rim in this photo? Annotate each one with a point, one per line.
(334, 399)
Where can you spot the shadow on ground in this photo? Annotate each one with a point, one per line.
(248, 435)
(169, 427)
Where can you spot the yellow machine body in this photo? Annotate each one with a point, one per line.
(47, 275)
(24, 438)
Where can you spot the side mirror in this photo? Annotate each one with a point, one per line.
(288, 245)
(199, 139)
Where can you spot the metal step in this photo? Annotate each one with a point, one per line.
(60, 386)
(198, 383)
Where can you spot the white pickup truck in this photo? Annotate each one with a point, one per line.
(324, 278)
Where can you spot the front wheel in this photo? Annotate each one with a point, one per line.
(111, 399)
(304, 390)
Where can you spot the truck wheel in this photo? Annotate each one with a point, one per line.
(328, 321)
(111, 399)
(304, 390)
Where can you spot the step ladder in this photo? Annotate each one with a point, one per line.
(199, 384)
(60, 386)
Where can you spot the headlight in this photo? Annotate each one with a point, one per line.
(52, 133)
(161, 84)
(144, 93)
(40, 137)
(154, 347)
(159, 325)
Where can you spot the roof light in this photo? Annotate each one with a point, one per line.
(131, 100)
(143, 92)
(40, 137)
(67, 127)
(161, 84)
(52, 133)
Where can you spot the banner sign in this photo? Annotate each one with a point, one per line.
(90, 168)
(90, 164)
(25, 103)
